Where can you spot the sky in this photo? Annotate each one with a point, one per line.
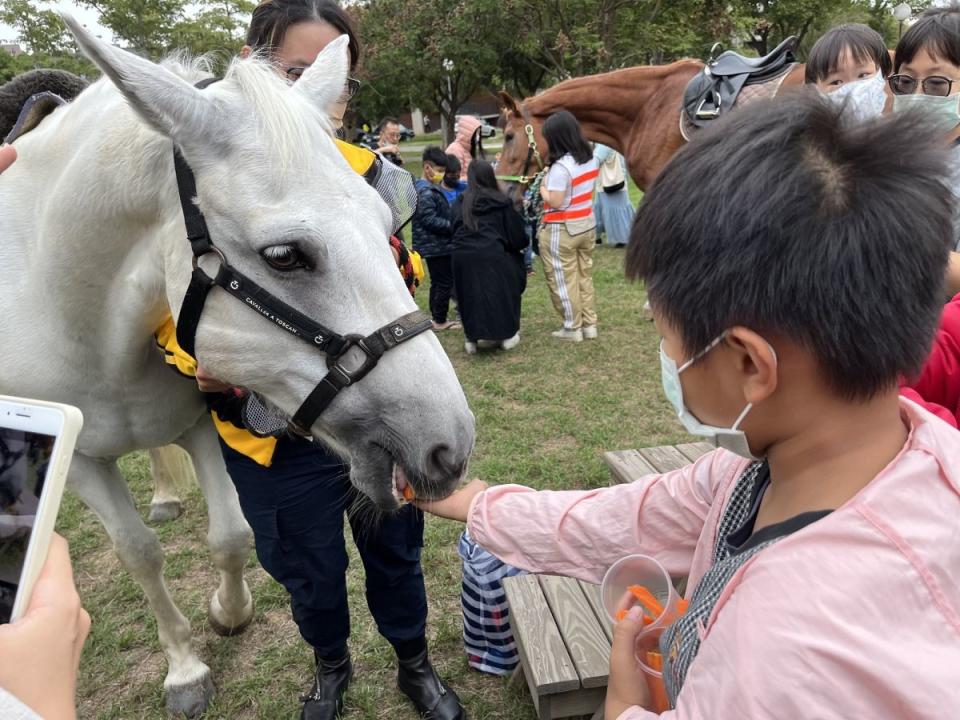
(85, 15)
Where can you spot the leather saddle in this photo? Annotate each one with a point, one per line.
(714, 90)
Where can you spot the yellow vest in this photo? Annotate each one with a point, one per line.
(258, 449)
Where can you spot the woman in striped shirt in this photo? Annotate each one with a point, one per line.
(568, 234)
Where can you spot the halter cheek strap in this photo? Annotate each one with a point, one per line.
(349, 357)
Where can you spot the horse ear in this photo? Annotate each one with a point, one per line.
(508, 103)
(323, 82)
(168, 103)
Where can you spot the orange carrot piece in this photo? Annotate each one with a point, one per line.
(408, 493)
(682, 606)
(646, 598)
(621, 614)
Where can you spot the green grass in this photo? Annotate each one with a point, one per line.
(545, 414)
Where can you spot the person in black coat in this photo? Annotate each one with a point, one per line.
(488, 269)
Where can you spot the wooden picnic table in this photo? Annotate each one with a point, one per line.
(561, 629)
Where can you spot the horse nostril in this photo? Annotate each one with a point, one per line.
(443, 463)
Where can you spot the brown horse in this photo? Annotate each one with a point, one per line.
(636, 111)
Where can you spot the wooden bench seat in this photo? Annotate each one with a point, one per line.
(562, 631)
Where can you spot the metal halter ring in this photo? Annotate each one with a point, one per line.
(212, 250)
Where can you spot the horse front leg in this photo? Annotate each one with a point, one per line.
(229, 536)
(170, 467)
(188, 685)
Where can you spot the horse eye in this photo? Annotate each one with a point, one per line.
(285, 258)
(508, 137)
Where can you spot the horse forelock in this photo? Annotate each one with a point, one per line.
(287, 124)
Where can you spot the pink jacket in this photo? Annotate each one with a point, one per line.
(854, 616)
(466, 124)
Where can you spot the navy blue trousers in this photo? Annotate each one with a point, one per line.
(296, 508)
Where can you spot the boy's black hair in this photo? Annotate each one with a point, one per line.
(937, 31)
(388, 120)
(562, 133)
(863, 42)
(435, 156)
(453, 164)
(834, 236)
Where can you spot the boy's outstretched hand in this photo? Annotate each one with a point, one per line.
(456, 506)
(627, 686)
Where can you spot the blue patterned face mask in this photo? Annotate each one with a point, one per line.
(731, 438)
(944, 110)
(861, 100)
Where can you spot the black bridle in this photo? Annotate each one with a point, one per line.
(349, 357)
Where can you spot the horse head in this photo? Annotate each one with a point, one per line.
(287, 212)
(524, 150)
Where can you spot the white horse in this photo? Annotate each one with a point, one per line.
(93, 256)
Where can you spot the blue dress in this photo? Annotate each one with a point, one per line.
(613, 210)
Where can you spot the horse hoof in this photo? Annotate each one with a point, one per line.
(165, 511)
(222, 624)
(190, 699)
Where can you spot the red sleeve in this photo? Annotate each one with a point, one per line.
(938, 386)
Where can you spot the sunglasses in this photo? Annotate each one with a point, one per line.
(350, 89)
(936, 85)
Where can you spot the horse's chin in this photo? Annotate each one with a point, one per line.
(378, 475)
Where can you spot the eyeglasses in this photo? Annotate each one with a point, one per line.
(351, 88)
(936, 85)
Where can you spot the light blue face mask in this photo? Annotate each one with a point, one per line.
(860, 100)
(944, 110)
(730, 438)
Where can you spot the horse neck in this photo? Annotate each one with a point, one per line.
(607, 105)
(635, 111)
(108, 220)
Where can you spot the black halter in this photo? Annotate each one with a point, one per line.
(336, 347)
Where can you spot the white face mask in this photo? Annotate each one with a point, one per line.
(730, 438)
(944, 110)
(861, 100)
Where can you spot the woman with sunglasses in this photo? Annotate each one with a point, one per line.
(294, 493)
(927, 77)
(927, 68)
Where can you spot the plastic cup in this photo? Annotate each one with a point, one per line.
(640, 570)
(645, 571)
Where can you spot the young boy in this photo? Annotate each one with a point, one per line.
(452, 185)
(823, 577)
(432, 230)
(850, 63)
(846, 54)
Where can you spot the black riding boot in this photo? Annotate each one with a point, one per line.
(433, 699)
(325, 699)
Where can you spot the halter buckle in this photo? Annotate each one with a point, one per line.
(349, 375)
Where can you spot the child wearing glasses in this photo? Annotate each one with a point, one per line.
(820, 540)
(927, 68)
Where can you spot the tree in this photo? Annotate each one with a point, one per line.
(427, 52)
(144, 26)
(42, 31)
(48, 43)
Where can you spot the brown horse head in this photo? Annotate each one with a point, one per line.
(520, 157)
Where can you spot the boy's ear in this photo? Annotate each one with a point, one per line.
(756, 362)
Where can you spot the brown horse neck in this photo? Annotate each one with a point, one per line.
(608, 105)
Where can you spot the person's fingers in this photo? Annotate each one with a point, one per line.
(7, 156)
(625, 634)
(55, 585)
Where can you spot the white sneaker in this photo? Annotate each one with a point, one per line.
(589, 332)
(470, 347)
(511, 342)
(572, 335)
